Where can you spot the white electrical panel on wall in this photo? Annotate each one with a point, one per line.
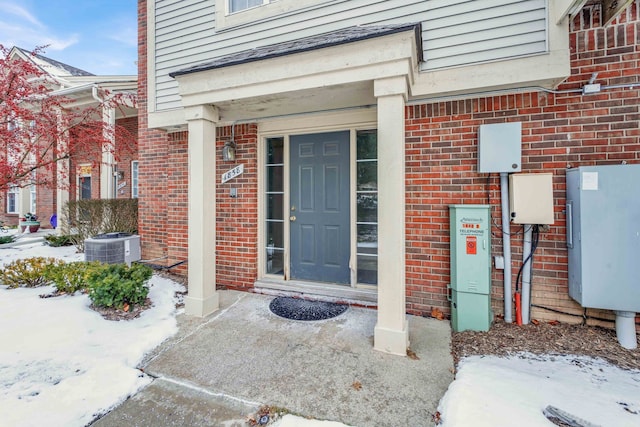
(531, 198)
(500, 147)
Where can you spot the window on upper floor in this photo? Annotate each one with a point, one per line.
(240, 5)
(231, 13)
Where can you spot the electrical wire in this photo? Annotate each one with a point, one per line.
(495, 224)
(584, 315)
(493, 220)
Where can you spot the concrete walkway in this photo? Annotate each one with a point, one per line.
(218, 370)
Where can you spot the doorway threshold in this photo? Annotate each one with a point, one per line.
(317, 291)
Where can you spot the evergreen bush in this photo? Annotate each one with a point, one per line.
(28, 273)
(71, 277)
(7, 239)
(116, 285)
(56, 240)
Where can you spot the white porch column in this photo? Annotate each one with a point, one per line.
(62, 194)
(391, 331)
(107, 190)
(202, 298)
(64, 177)
(24, 203)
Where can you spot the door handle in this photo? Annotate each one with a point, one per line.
(569, 220)
(292, 218)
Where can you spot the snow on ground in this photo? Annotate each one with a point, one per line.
(493, 391)
(61, 363)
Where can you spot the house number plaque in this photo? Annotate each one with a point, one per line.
(232, 173)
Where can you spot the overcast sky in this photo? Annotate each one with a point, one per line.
(99, 36)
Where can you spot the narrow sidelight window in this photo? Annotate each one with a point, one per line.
(275, 206)
(367, 206)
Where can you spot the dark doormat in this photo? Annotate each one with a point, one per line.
(302, 309)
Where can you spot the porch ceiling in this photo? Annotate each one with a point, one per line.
(298, 102)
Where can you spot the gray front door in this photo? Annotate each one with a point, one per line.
(319, 210)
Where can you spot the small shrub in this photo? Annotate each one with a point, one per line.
(7, 239)
(29, 273)
(114, 285)
(71, 277)
(56, 240)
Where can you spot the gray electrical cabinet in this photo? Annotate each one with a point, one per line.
(603, 236)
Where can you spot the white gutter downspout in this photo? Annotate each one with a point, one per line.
(107, 188)
(506, 244)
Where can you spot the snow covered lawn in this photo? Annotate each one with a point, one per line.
(492, 391)
(61, 363)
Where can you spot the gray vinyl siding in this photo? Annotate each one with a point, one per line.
(455, 32)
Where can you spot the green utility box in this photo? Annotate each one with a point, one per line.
(470, 227)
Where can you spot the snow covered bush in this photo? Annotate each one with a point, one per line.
(118, 286)
(29, 272)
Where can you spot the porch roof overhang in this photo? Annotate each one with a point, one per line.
(331, 71)
(84, 95)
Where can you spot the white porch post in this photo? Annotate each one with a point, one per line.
(64, 177)
(391, 331)
(24, 203)
(202, 298)
(107, 190)
(62, 193)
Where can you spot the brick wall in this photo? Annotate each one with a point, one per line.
(237, 227)
(153, 160)
(237, 218)
(560, 130)
(177, 204)
(46, 205)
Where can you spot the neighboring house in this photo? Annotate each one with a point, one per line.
(83, 177)
(356, 126)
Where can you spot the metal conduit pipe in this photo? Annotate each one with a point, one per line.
(512, 91)
(506, 244)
